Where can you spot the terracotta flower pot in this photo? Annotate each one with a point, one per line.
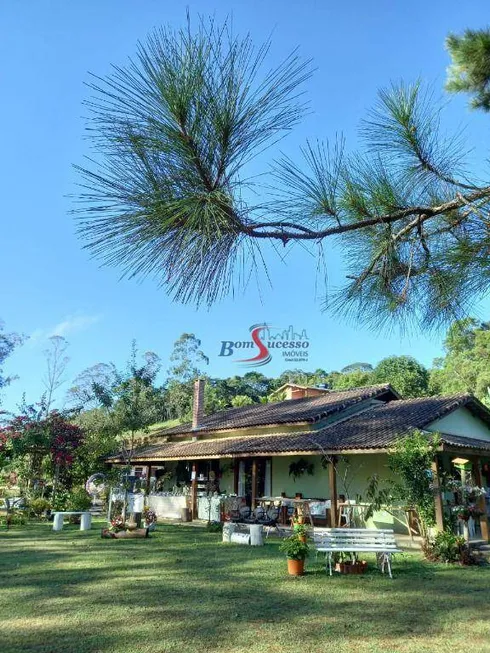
(349, 567)
(296, 567)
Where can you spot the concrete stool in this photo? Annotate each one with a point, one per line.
(256, 535)
(228, 529)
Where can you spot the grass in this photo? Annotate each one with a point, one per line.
(169, 423)
(184, 591)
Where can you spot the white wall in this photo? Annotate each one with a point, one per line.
(461, 422)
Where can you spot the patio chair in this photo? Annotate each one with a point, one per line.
(244, 514)
(346, 514)
(270, 521)
(235, 515)
(255, 516)
(240, 515)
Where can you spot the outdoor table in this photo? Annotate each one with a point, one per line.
(85, 521)
(301, 507)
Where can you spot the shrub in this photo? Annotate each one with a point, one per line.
(79, 499)
(15, 518)
(449, 548)
(294, 548)
(39, 506)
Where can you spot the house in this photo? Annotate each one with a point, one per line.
(295, 391)
(324, 447)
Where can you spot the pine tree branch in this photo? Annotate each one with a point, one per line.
(427, 212)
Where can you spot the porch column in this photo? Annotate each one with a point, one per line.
(332, 485)
(268, 478)
(236, 472)
(241, 478)
(194, 490)
(439, 508)
(254, 482)
(148, 477)
(481, 500)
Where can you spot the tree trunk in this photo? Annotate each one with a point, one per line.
(55, 481)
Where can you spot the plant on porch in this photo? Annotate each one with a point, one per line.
(468, 501)
(300, 467)
(410, 460)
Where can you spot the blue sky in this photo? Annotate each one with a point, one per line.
(49, 284)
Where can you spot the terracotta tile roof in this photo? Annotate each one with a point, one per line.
(380, 426)
(465, 443)
(290, 411)
(375, 428)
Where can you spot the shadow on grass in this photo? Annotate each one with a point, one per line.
(182, 590)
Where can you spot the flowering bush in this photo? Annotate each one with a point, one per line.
(65, 439)
(40, 435)
(117, 524)
(149, 516)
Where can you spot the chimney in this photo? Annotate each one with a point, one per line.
(198, 405)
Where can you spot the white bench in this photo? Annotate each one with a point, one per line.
(85, 521)
(354, 541)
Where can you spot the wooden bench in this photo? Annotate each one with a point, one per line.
(85, 521)
(354, 541)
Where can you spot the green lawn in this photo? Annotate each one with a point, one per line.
(183, 591)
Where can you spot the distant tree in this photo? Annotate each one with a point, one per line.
(241, 400)
(131, 403)
(470, 68)
(217, 396)
(252, 384)
(355, 379)
(56, 363)
(301, 377)
(82, 390)
(187, 358)
(100, 439)
(357, 367)
(187, 361)
(8, 342)
(404, 373)
(178, 398)
(465, 367)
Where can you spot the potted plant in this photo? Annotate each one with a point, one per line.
(346, 564)
(301, 530)
(296, 551)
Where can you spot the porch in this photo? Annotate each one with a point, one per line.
(330, 489)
